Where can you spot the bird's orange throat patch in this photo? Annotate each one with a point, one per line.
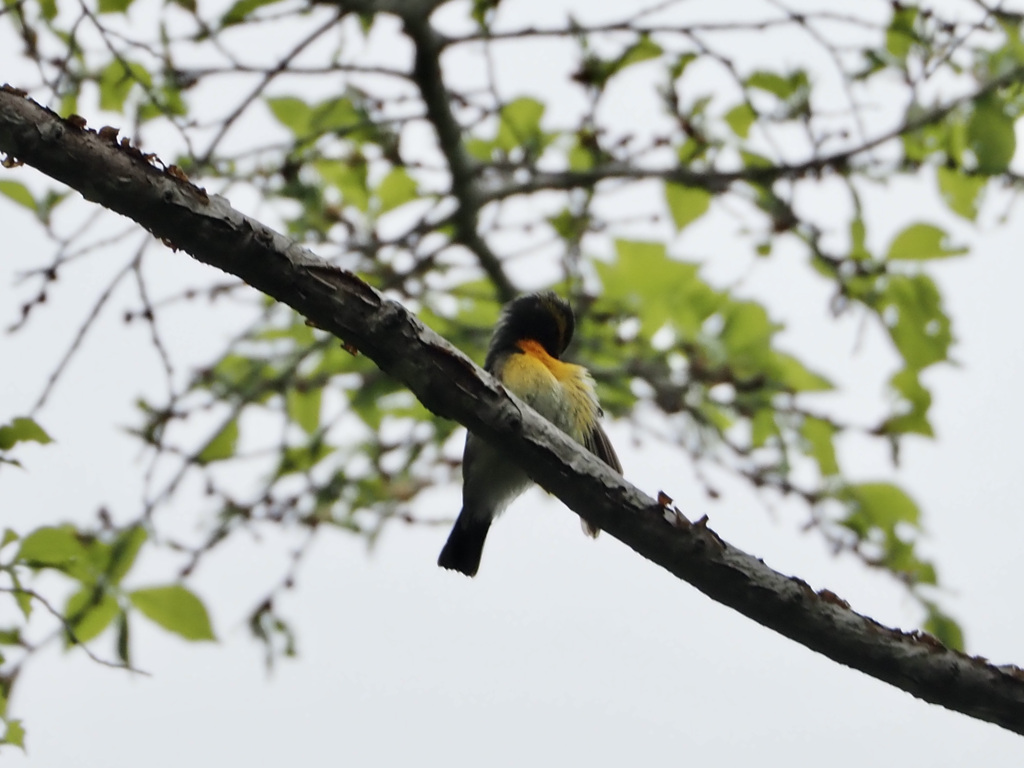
(558, 369)
(561, 392)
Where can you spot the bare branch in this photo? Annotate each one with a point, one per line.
(720, 181)
(427, 73)
(83, 331)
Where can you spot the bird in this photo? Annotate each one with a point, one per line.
(532, 333)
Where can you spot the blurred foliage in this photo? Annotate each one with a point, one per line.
(92, 565)
(276, 97)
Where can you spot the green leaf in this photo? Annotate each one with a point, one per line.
(304, 408)
(90, 568)
(339, 115)
(740, 118)
(242, 9)
(691, 151)
(991, 136)
(294, 114)
(22, 430)
(124, 551)
(911, 407)
(954, 140)
(69, 102)
(9, 537)
(397, 188)
(792, 90)
(747, 334)
(483, 11)
(819, 435)
(6, 682)
(302, 458)
(772, 83)
(21, 597)
(14, 735)
(520, 124)
(679, 66)
(89, 611)
(754, 160)
(922, 241)
(762, 427)
(920, 329)
(582, 157)
(51, 546)
(944, 627)
(222, 445)
(858, 240)
(960, 192)
(794, 376)
(349, 178)
(164, 101)
(114, 6)
(123, 639)
(176, 609)
(19, 193)
(645, 282)
(481, 149)
(116, 82)
(686, 204)
(643, 50)
(901, 36)
(934, 137)
(900, 558)
(597, 71)
(879, 505)
(11, 637)
(569, 226)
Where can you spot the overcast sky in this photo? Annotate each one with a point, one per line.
(563, 650)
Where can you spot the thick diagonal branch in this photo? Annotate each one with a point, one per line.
(452, 386)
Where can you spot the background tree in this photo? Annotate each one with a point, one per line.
(667, 164)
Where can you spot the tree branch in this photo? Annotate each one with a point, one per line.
(427, 73)
(450, 385)
(720, 181)
(415, 16)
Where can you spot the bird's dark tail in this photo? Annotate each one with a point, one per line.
(465, 544)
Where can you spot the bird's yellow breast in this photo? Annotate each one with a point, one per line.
(561, 392)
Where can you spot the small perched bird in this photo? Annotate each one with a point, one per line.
(531, 334)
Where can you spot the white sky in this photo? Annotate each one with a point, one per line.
(562, 650)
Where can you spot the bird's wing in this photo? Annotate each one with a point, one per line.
(597, 443)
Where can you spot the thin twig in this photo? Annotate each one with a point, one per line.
(83, 330)
(69, 629)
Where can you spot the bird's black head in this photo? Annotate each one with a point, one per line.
(544, 317)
